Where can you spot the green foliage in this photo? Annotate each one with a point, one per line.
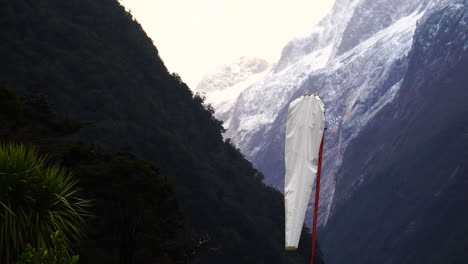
(55, 255)
(35, 201)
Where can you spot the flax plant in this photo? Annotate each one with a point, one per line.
(36, 201)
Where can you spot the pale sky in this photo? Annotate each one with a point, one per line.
(194, 37)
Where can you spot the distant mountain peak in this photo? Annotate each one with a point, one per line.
(224, 86)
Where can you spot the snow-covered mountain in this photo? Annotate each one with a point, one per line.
(401, 189)
(361, 59)
(224, 86)
(354, 59)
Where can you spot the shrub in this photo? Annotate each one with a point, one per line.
(56, 255)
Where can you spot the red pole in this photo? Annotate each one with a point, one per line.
(317, 194)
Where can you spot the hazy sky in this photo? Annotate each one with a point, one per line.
(195, 37)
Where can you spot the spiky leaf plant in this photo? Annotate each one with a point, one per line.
(36, 200)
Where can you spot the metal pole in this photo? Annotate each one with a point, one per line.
(317, 195)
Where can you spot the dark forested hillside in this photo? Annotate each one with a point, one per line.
(94, 63)
(135, 215)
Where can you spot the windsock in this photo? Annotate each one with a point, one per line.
(304, 134)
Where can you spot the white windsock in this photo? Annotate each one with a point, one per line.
(304, 131)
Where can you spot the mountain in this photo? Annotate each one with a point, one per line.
(94, 63)
(223, 86)
(391, 74)
(406, 170)
(355, 59)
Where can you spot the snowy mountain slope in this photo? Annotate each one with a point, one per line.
(356, 75)
(401, 189)
(300, 58)
(393, 77)
(222, 87)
